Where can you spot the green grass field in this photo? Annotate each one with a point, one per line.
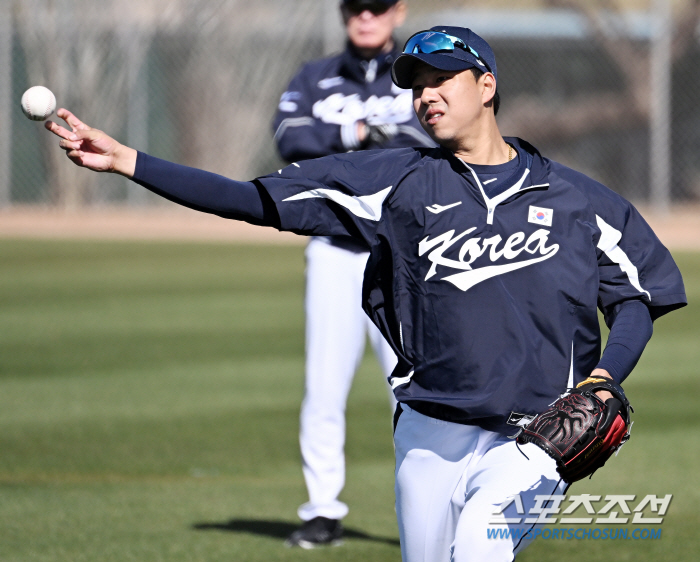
(149, 396)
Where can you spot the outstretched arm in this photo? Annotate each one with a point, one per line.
(340, 195)
(91, 148)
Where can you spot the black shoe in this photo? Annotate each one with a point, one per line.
(316, 532)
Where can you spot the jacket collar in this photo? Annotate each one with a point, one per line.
(353, 66)
(538, 165)
(532, 173)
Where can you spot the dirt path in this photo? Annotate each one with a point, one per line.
(679, 229)
(128, 224)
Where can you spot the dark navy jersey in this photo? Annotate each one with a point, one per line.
(318, 113)
(490, 303)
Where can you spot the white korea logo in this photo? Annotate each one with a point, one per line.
(340, 109)
(472, 250)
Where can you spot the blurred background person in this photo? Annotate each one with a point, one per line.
(339, 104)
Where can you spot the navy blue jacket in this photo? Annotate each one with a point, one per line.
(318, 113)
(490, 304)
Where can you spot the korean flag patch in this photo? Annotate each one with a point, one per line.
(540, 215)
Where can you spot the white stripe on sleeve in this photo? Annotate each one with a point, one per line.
(609, 238)
(292, 122)
(365, 206)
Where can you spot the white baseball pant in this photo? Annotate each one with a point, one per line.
(336, 329)
(450, 478)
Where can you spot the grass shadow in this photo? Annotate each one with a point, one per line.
(280, 530)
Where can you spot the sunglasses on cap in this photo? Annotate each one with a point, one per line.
(377, 8)
(436, 42)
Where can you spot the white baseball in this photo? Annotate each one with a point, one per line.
(38, 103)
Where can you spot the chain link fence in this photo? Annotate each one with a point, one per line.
(198, 83)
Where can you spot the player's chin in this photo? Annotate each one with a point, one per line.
(430, 130)
(438, 134)
(368, 39)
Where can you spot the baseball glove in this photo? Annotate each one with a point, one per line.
(579, 430)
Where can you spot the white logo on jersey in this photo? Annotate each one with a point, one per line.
(288, 101)
(436, 209)
(328, 83)
(540, 215)
(471, 250)
(521, 420)
(340, 109)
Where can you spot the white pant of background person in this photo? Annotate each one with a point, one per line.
(336, 331)
(449, 480)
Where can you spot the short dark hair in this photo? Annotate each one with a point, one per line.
(496, 97)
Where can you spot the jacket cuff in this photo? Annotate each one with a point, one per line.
(348, 136)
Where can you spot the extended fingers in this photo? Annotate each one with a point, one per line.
(60, 131)
(71, 145)
(69, 141)
(75, 123)
(73, 139)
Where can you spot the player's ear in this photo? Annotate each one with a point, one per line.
(488, 87)
(399, 13)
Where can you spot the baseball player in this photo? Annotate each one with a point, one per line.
(339, 104)
(488, 263)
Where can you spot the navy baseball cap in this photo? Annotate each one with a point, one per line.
(369, 2)
(445, 48)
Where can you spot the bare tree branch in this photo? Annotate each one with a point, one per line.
(536, 118)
